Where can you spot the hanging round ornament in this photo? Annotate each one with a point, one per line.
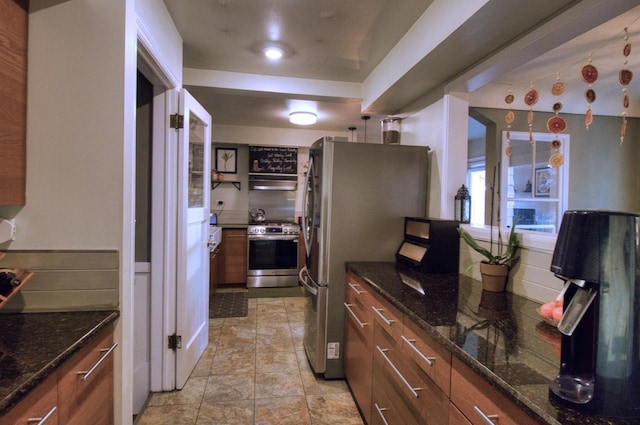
(589, 73)
(556, 160)
(557, 107)
(556, 125)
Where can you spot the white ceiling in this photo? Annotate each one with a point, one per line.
(505, 45)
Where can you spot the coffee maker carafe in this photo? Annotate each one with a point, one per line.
(597, 255)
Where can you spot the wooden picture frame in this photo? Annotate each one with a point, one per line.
(226, 160)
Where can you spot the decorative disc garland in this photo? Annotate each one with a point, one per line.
(625, 76)
(589, 75)
(509, 119)
(556, 125)
(530, 99)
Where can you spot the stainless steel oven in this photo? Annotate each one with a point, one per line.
(272, 255)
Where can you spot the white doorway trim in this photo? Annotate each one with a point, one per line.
(163, 214)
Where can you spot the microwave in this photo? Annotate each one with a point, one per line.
(430, 245)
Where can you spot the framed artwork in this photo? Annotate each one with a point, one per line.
(226, 160)
(543, 183)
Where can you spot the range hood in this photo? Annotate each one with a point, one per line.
(264, 181)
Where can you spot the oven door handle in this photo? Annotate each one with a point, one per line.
(274, 238)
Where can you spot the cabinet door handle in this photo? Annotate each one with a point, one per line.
(362, 324)
(380, 411)
(378, 311)
(42, 420)
(414, 390)
(488, 419)
(86, 373)
(428, 360)
(355, 289)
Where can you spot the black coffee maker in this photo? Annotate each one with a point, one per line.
(597, 254)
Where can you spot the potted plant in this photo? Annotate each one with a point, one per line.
(494, 269)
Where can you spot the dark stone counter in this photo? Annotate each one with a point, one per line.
(33, 345)
(498, 335)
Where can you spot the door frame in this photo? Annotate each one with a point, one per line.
(163, 213)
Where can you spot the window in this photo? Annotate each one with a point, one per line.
(531, 189)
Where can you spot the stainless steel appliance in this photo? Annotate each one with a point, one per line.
(272, 254)
(355, 199)
(597, 254)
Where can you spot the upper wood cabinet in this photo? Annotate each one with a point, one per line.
(13, 100)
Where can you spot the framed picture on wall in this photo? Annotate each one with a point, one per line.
(543, 183)
(226, 160)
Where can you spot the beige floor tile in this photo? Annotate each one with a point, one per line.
(191, 393)
(238, 363)
(278, 384)
(330, 409)
(276, 361)
(169, 415)
(221, 388)
(317, 386)
(239, 412)
(282, 411)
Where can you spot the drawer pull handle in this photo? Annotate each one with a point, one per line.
(389, 322)
(428, 360)
(106, 351)
(380, 411)
(42, 420)
(414, 390)
(355, 289)
(362, 324)
(488, 419)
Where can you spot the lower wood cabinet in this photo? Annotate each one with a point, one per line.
(358, 353)
(40, 406)
(214, 269)
(85, 384)
(399, 375)
(79, 392)
(481, 403)
(233, 269)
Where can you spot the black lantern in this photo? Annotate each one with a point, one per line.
(463, 205)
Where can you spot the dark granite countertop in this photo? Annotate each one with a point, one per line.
(498, 335)
(33, 345)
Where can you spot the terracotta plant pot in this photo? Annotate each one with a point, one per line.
(494, 277)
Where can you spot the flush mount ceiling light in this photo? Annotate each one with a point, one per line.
(273, 52)
(302, 118)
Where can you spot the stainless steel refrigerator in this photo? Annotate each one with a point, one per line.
(355, 198)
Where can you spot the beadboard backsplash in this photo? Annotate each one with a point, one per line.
(65, 280)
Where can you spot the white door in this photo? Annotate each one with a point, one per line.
(192, 280)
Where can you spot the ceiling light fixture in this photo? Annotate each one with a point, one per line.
(302, 118)
(273, 52)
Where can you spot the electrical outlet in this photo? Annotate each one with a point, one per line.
(220, 203)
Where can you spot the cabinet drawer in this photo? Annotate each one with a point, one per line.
(40, 403)
(455, 417)
(480, 402)
(428, 355)
(359, 291)
(85, 383)
(388, 317)
(388, 409)
(403, 379)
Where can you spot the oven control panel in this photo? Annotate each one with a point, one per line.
(274, 229)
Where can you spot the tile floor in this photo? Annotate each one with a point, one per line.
(254, 371)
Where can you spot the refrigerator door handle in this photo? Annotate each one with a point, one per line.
(306, 230)
(312, 289)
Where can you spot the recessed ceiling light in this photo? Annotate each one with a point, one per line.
(273, 52)
(302, 118)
